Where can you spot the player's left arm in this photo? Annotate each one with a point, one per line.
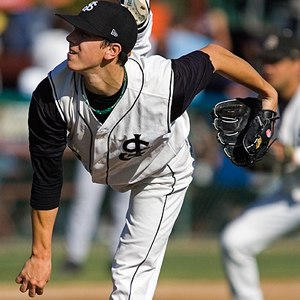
(140, 10)
(143, 45)
(238, 70)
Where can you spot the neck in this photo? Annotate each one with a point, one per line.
(105, 82)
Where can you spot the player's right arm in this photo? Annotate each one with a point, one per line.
(37, 269)
(47, 141)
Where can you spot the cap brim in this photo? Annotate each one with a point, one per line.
(80, 23)
(274, 57)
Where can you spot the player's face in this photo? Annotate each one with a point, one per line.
(282, 73)
(85, 51)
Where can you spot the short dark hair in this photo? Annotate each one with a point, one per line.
(122, 57)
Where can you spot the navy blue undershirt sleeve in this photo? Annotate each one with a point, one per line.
(192, 73)
(47, 142)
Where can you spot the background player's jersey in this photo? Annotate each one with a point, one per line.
(289, 135)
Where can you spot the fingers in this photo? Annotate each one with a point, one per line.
(24, 287)
(18, 279)
(39, 291)
(33, 290)
(34, 276)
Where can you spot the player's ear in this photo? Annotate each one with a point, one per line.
(113, 50)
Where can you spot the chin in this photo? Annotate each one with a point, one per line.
(70, 67)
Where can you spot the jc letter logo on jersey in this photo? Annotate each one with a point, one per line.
(133, 148)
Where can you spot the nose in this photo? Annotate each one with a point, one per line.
(267, 68)
(70, 37)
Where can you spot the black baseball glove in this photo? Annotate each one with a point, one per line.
(244, 129)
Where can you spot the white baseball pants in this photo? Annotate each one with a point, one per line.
(154, 206)
(252, 232)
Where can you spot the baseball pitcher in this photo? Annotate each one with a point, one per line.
(124, 116)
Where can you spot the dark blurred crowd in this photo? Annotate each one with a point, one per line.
(179, 26)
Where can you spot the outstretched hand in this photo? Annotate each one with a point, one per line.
(34, 276)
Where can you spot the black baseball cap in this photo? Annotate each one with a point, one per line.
(109, 20)
(276, 47)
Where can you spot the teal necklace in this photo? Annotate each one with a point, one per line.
(109, 109)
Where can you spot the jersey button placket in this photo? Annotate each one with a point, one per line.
(99, 145)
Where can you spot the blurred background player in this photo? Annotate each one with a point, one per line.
(52, 40)
(83, 219)
(277, 213)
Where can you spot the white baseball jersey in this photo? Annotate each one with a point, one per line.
(138, 138)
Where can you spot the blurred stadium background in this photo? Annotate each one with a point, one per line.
(219, 191)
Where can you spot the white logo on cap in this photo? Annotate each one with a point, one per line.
(114, 33)
(271, 43)
(90, 6)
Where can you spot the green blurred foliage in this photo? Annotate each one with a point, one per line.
(185, 260)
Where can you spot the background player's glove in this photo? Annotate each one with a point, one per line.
(138, 8)
(244, 129)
